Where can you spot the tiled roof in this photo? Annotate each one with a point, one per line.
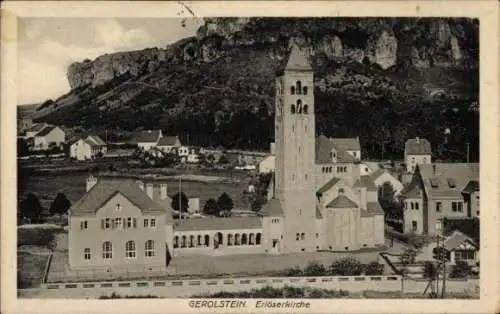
(456, 239)
(411, 191)
(45, 131)
(168, 141)
(419, 146)
(96, 140)
(366, 181)
(472, 186)
(342, 201)
(377, 173)
(297, 60)
(344, 156)
(37, 127)
(218, 223)
(448, 179)
(323, 148)
(328, 185)
(149, 136)
(374, 208)
(272, 208)
(346, 143)
(105, 189)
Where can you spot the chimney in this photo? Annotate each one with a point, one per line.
(273, 148)
(91, 181)
(149, 190)
(418, 139)
(163, 191)
(362, 198)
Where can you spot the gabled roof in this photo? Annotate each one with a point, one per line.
(418, 146)
(95, 140)
(323, 148)
(46, 131)
(272, 208)
(37, 127)
(327, 186)
(168, 141)
(105, 189)
(297, 60)
(456, 239)
(342, 201)
(347, 143)
(374, 208)
(411, 191)
(148, 136)
(472, 186)
(367, 182)
(448, 179)
(377, 173)
(218, 223)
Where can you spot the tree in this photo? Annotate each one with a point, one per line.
(22, 147)
(180, 202)
(347, 266)
(386, 198)
(374, 268)
(225, 204)
(223, 160)
(257, 202)
(430, 271)
(211, 207)
(315, 269)
(60, 205)
(30, 208)
(460, 270)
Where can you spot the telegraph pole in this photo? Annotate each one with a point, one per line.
(468, 150)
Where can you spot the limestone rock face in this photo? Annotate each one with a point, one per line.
(382, 49)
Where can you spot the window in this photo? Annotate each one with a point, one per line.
(292, 90)
(107, 250)
(134, 222)
(302, 236)
(298, 87)
(153, 223)
(460, 207)
(454, 206)
(439, 207)
(176, 242)
(146, 223)
(149, 248)
(118, 207)
(183, 241)
(317, 235)
(297, 236)
(341, 190)
(86, 254)
(107, 223)
(229, 239)
(118, 223)
(414, 225)
(128, 223)
(412, 205)
(304, 90)
(299, 106)
(257, 239)
(416, 206)
(84, 225)
(305, 109)
(130, 249)
(198, 243)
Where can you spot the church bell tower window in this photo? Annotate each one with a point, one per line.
(292, 90)
(305, 109)
(304, 90)
(298, 87)
(299, 106)
(292, 109)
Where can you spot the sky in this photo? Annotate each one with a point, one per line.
(47, 46)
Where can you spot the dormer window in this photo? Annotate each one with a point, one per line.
(451, 183)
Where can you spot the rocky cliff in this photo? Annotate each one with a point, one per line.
(226, 72)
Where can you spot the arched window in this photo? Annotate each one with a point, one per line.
(298, 87)
(207, 240)
(199, 240)
(330, 169)
(299, 106)
(257, 239)
(292, 109)
(86, 254)
(412, 205)
(251, 239)
(304, 90)
(416, 206)
(191, 241)
(130, 249)
(176, 241)
(244, 239)
(107, 250)
(292, 90)
(237, 239)
(345, 169)
(149, 248)
(229, 239)
(305, 109)
(183, 242)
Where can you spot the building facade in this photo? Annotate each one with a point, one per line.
(88, 148)
(48, 137)
(417, 152)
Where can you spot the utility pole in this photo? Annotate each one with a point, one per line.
(467, 144)
(444, 276)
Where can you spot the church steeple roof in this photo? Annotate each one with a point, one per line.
(297, 61)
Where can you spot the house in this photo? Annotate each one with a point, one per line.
(437, 191)
(48, 137)
(33, 130)
(168, 143)
(417, 152)
(267, 165)
(149, 139)
(88, 148)
(348, 145)
(457, 247)
(382, 176)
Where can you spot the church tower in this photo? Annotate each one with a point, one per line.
(295, 150)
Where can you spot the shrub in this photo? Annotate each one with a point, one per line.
(315, 269)
(347, 266)
(293, 272)
(374, 268)
(430, 270)
(460, 270)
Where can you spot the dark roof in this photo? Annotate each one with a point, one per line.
(342, 201)
(456, 239)
(347, 143)
(148, 136)
(272, 208)
(218, 223)
(372, 209)
(37, 127)
(323, 148)
(472, 186)
(366, 181)
(328, 185)
(168, 141)
(95, 140)
(411, 191)
(418, 146)
(45, 131)
(438, 176)
(105, 189)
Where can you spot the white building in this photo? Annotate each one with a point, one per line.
(50, 136)
(267, 164)
(417, 152)
(149, 139)
(168, 143)
(88, 148)
(382, 176)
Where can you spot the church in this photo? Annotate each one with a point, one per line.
(323, 198)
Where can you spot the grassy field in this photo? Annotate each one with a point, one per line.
(31, 268)
(46, 186)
